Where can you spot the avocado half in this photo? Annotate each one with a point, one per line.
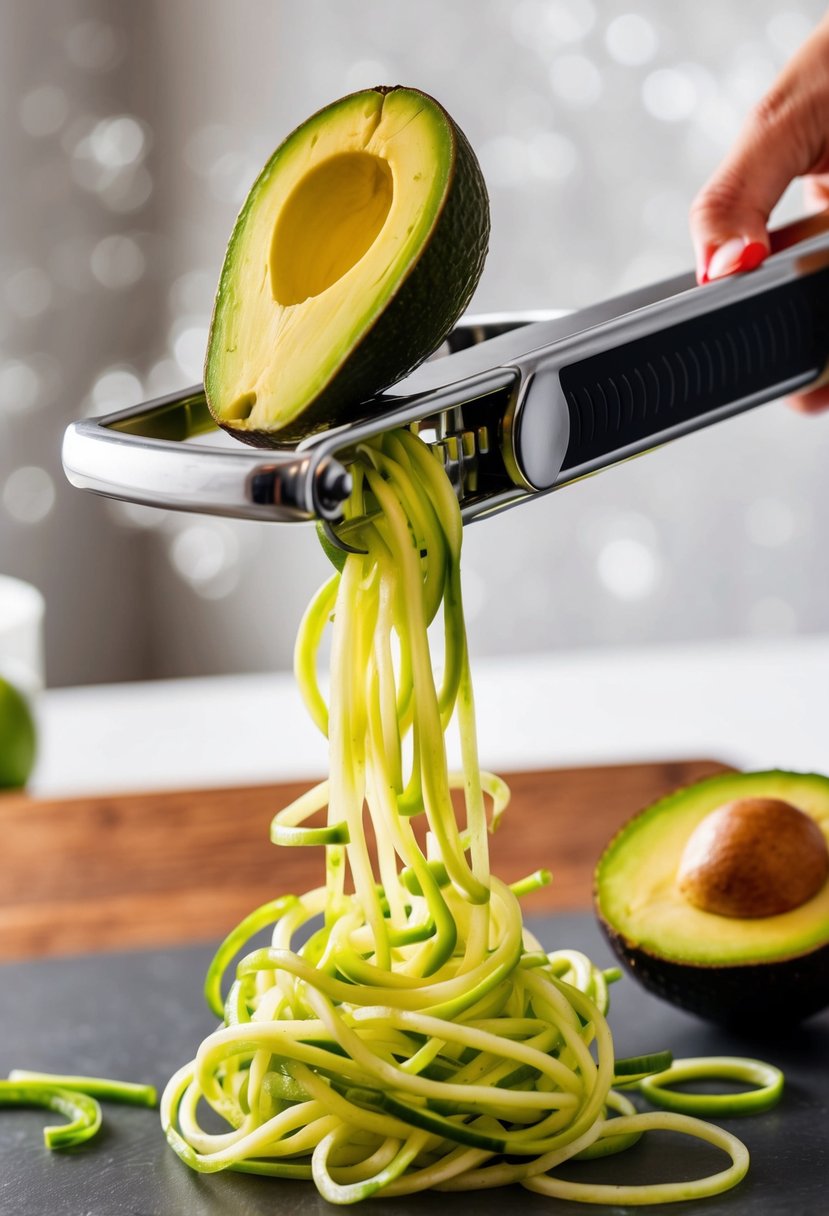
(750, 972)
(357, 249)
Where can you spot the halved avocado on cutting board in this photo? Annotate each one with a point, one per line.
(753, 846)
(359, 246)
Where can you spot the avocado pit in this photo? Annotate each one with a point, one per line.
(753, 857)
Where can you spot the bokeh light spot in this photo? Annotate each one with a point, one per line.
(20, 386)
(631, 39)
(165, 376)
(114, 389)
(669, 94)
(118, 261)
(192, 292)
(206, 555)
(189, 345)
(29, 494)
(118, 141)
(628, 568)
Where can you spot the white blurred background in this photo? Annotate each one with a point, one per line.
(130, 135)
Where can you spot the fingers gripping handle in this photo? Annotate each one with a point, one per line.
(655, 388)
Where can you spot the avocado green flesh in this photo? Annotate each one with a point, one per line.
(638, 899)
(343, 217)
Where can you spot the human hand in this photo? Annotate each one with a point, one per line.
(786, 136)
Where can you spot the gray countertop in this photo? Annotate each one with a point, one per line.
(140, 1016)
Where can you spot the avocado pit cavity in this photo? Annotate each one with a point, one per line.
(330, 221)
(753, 857)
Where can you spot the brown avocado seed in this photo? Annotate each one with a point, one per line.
(753, 857)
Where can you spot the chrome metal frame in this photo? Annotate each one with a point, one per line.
(492, 406)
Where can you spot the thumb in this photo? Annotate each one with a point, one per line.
(781, 140)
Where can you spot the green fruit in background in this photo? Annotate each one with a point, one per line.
(18, 740)
(357, 249)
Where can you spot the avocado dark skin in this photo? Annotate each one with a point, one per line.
(758, 996)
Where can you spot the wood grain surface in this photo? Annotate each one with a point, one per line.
(141, 870)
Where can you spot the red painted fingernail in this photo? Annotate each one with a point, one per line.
(734, 256)
(754, 253)
(726, 258)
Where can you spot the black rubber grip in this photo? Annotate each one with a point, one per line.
(623, 396)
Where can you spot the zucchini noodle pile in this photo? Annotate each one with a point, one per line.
(403, 1030)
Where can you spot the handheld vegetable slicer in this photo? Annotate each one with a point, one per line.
(514, 408)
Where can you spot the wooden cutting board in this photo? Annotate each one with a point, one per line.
(86, 874)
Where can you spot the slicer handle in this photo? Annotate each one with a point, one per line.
(626, 399)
